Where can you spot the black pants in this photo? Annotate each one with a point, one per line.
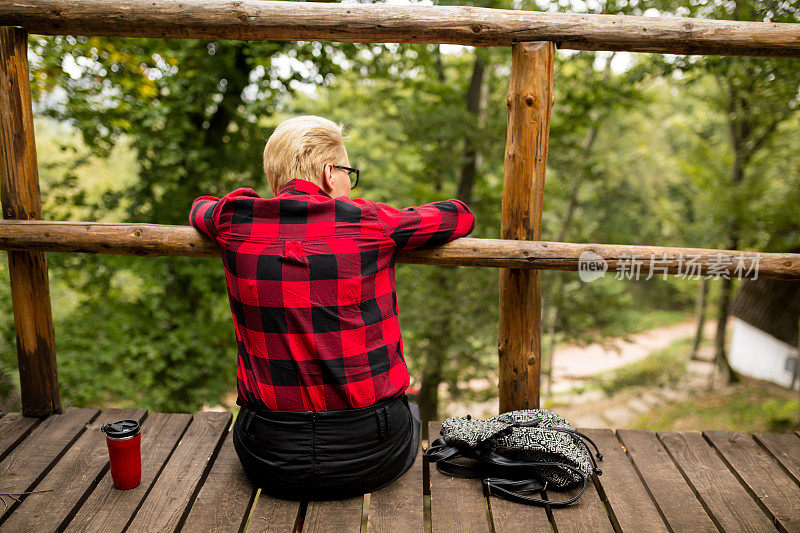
(328, 455)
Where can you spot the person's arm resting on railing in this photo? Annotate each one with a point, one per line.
(212, 215)
(203, 217)
(427, 225)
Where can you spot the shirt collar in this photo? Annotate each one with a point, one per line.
(301, 186)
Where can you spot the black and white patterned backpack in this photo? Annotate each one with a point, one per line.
(516, 452)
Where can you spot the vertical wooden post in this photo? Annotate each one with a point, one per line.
(19, 193)
(530, 97)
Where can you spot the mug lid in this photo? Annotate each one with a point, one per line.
(121, 429)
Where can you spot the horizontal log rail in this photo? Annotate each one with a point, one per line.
(475, 26)
(619, 259)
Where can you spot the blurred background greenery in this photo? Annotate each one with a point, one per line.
(644, 149)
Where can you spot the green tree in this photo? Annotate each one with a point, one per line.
(158, 331)
(426, 123)
(755, 96)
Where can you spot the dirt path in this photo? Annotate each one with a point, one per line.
(572, 364)
(594, 409)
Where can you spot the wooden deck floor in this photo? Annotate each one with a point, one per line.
(192, 481)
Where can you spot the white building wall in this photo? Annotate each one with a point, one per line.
(758, 354)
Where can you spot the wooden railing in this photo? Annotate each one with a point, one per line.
(359, 23)
(519, 254)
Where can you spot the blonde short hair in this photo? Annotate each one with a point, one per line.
(300, 147)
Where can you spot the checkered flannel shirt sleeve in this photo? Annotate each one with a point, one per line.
(207, 212)
(426, 225)
(202, 216)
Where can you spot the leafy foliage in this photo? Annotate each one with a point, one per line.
(157, 333)
(636, 156)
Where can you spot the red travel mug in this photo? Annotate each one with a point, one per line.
(124, 439)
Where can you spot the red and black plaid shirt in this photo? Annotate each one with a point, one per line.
(312, 292)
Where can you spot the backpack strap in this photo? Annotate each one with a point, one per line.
(582, 438)
(489, 463)
(439, 450)
(510, 490)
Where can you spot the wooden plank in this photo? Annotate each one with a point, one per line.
(674, 498)
(171, 494)
(775, 492)
(109, 510)
(22, 469)
(457, 504)
(727, 502)
(76, 473)
(530, 97)
(785, 448)
(354, 22)
(151, 240)
(620, 487)
(587, 514)
(399, 507)
(20, 197)
(13, 429)
(223, 503)
(273, 515)
(334, 516)
(511, 517)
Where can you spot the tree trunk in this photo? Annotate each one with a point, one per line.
(720, 353)
(700, 313)
(740, 134)
(721, 356)
(433, 372)
(440, 339)
(549, 354)
(474, 97)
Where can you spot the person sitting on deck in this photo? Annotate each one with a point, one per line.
(321, 373)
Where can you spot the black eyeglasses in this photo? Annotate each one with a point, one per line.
(350, 172)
